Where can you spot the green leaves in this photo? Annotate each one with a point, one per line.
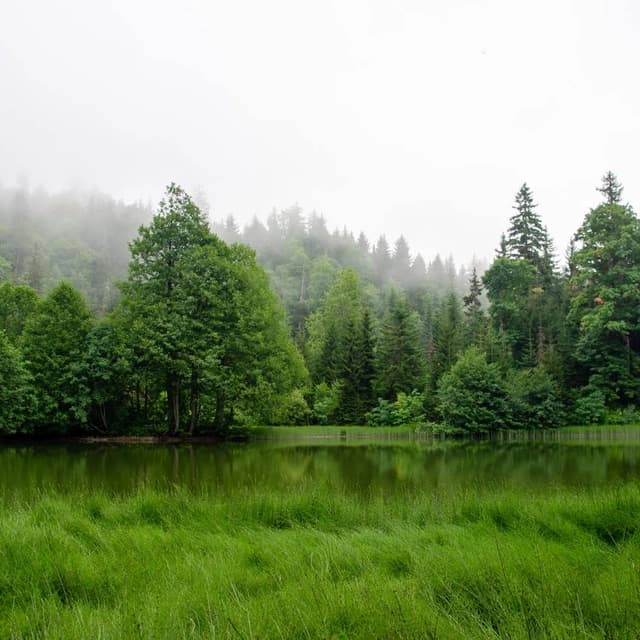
(204, 320)
(604, 304)
(16, 392)
(54, 341)
(473, 395)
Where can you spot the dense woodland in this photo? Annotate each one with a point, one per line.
(192, 327)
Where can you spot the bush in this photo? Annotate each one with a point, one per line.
(293, 409)
(535, 400)
(326, 402)
(628, 415)
(407, 409)
(472, 394)
(590, 407)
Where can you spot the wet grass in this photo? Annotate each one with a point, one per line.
(305, 563)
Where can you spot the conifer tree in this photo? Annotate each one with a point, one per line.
(604, 303)
(448, 334)
(400, 362)
(356, 371)
(401, 261)
(382, 259)
(475, 320)
(611, 189)
(525, 237)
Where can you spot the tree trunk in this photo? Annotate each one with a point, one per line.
(102, 411)
(195, 402)
(173, 403)
(218, 423)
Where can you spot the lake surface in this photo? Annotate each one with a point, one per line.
(353, 466)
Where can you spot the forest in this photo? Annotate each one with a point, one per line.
(117, 320)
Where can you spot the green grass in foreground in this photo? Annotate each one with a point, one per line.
(312, 565)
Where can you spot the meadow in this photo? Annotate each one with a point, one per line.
(308, 561)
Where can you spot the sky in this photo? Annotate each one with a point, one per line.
(411, 117)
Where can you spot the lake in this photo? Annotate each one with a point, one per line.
(570, 460)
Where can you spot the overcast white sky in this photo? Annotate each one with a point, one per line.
(404, 116)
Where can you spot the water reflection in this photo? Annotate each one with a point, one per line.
(359, 467)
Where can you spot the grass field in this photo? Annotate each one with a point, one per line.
(304, 563)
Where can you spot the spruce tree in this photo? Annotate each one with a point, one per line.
(611, 189)
(401, 262)
(474, 316)
(400, 361)
(604, 299)
(525, 237)
(448, 334)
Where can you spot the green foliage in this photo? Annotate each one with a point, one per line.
(475, 319)
(105, 369)
(326, 402)
(526, 235)
(472, 395)
(604, 287)
(341, 344)
(204, 320)
(16, 392)
(510, 288)
(534, 400)
(383, 414)
(590, 407)
(17, 303)
(626, 416)
(400, 362)
(449, 334)
(407, 409)
(54, 341)
(293, 409)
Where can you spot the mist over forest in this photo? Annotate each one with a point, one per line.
(144, 317)
(83, 236)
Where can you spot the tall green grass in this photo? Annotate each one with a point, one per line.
(306, 563)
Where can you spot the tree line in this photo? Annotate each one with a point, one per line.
(322, 328)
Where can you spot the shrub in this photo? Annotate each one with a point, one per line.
(628, 415)
(326, 402)
(293, 409)
(382, 415)
(590, 407)
(407, 409)
(472, 394)
(535, 400)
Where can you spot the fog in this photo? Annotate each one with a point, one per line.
(414, 118)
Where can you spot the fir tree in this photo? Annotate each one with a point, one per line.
(502, 250)
(399, 358)
(525, 237)
(474, 316)
(611, 189)
(401, 261)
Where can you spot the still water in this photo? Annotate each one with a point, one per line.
(362, 467)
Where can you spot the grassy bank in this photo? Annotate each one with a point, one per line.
(327, 432)
(602, 432)
(308, 564)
